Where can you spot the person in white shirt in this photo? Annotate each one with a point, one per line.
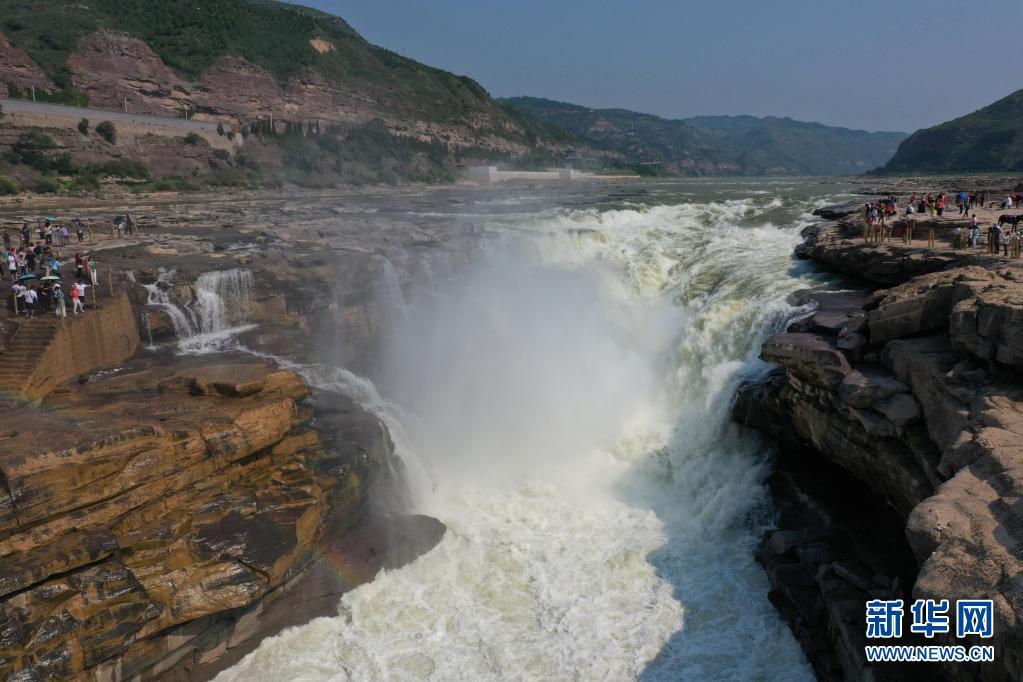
(79, 300)
(31, 301)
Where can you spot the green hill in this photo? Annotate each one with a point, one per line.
(728, 145)
(331, 81)
(989, 139)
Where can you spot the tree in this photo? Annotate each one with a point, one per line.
(192, 138)
(83, 126)
(107, 131)
(220, 129)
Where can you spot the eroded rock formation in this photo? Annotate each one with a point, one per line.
(914, 393)
(154, 518)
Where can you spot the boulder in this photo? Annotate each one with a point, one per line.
(900, 409)
(809, 357)
(837, 211)
(866, 385)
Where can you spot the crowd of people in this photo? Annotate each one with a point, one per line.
(1002, 238)
(37, 273)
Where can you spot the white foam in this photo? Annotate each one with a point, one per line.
(567, 398)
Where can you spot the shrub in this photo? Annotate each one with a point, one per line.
(221, 154)
(120, 168)
(47, 184)
(107, 131)
(220, 129)
(192, 138)
(13, 91)
(8, 185)
(83, 126)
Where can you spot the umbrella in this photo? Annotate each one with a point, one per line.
(51, 218)
(28, 276)
(50, 278)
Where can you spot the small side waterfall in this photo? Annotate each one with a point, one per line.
(224, 298)
(160, 296)
(220, 307)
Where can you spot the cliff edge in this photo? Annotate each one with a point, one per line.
(910, 398)
(159, 520)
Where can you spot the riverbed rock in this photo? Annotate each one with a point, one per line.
(867, 385)
(162, 500)
(809, 357)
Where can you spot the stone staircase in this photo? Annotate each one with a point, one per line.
(23, 351)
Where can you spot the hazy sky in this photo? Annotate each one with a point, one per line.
(872, 64)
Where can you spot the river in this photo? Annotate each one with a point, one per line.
(563, 404)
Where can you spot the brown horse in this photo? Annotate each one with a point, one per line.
(1010, 219)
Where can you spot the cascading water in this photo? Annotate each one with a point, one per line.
(221, 308)
(567, 397)
(159, 295)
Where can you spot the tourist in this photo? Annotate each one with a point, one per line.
(59, 308)
(32, 302)
(129, 224)
(80, 295)
(909, 209)
(941, 204)
(1008, 201)
(974, 235)
(12, 263)
(76, 299)
(65, 236)
(30, 259)
(1006, 239)
(93, 271)
(80, 265)
(18, 289)
(957, 235)
(80, 230)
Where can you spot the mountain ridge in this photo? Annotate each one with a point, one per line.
(727, 145)
(988, 139)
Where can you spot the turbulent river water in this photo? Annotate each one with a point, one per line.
(563, 403)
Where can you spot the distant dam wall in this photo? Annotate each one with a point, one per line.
(492, 174)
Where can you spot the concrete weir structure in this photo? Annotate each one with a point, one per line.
(492, 174)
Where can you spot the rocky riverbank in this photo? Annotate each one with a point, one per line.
(152, 519)
(161, 515)
(896, 406)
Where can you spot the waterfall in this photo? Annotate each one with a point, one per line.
(220, 308)
(159, 296)
(566, 395)
(224, 298)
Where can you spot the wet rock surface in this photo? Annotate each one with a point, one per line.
(913, 405)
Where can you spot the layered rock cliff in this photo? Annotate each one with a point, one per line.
(910, 397)
(153, 519)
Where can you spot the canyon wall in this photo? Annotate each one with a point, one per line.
(162, 519)
(910, 397)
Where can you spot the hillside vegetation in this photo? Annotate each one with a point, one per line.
(990, 139)
(726, 145)
(189, 36)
